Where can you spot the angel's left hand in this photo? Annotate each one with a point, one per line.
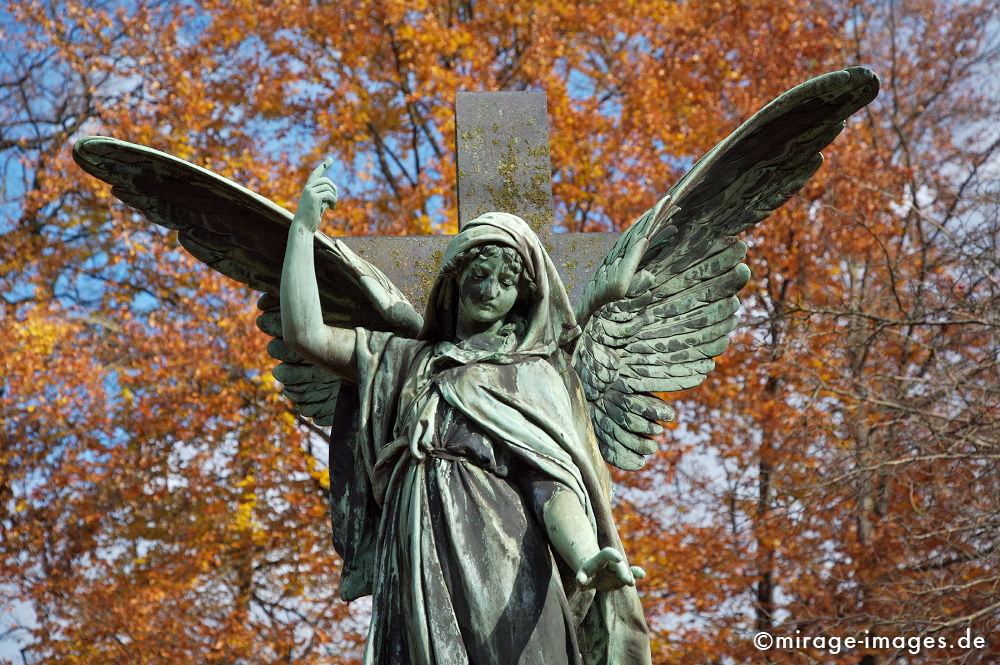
(607, 571)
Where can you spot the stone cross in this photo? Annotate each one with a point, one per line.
(503, 165)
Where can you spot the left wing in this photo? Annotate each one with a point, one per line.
(243, 235)
(663, 303)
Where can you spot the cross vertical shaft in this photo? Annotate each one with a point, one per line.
(502, 143)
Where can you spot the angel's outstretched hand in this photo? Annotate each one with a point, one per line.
(319, 194)
(607, 571)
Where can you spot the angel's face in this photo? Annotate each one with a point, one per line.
(487, 290)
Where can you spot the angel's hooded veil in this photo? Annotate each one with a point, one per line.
(520, 392)
(550, 319)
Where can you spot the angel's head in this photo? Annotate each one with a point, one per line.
(495, 276)
(492, 282)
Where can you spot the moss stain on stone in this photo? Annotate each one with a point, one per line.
(505, 194)
(425, 273)
(537, 191)
(474, 138)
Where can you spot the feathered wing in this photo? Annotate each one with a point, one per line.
(679, 306)
(242, 235)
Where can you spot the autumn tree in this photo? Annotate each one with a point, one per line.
(159, 501)
(846, 454)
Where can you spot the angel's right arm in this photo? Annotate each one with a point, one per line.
(302, 326)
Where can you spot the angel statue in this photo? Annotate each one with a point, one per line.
(469, 490)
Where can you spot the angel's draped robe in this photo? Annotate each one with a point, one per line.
(457, 449)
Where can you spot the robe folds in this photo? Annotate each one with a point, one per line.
(444, 456)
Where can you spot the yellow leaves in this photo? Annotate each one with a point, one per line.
(406, 31)
(245, 520)
(244, 513)
(323, 478)
(320, 474)
(39, 335)
(293, 588)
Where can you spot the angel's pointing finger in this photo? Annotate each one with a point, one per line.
(320, 170)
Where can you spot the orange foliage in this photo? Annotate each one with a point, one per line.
(160, 504)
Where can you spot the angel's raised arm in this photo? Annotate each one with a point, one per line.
(302, 326)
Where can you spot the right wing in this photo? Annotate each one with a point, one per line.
(243, 235)
(663, 303)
